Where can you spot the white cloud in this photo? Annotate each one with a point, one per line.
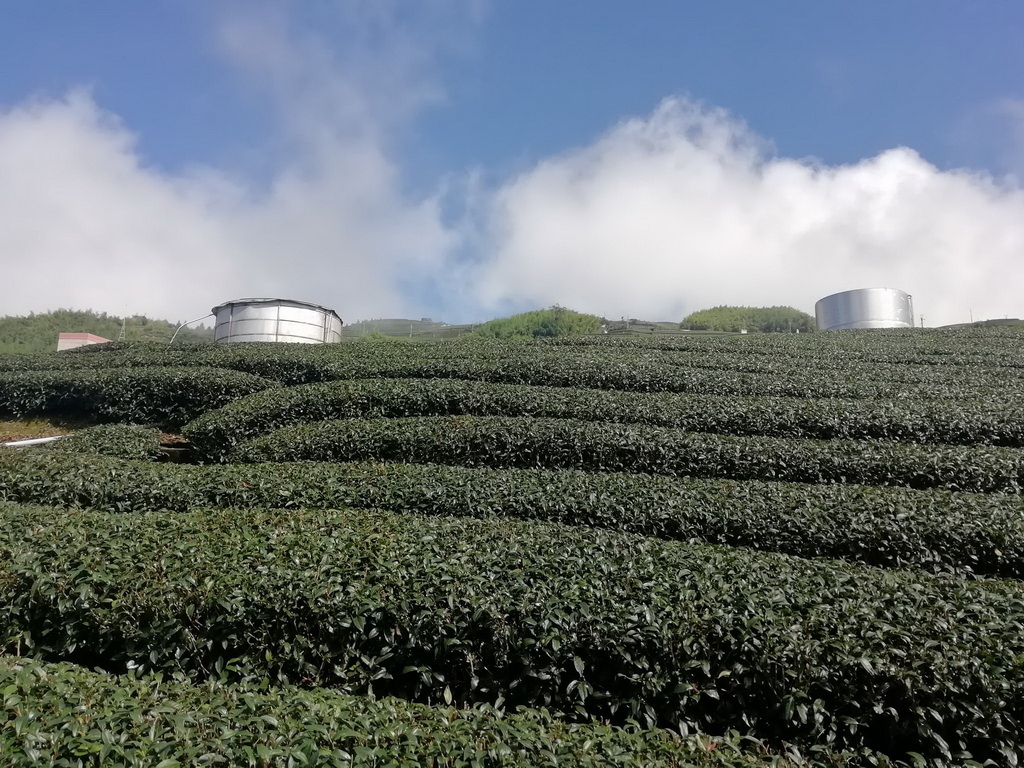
(86, 224)
(683, 209)
(687, 209)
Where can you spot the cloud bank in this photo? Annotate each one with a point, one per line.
(85, 223)
(687, 209)
(682, 209)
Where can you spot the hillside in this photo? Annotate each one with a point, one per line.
(38, 332)
(750, 319)
(679, 550)
(554, 322)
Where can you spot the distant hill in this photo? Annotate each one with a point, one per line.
(425, 328)
(542, 323)
(985, 323)
(404, 328)
(38, 333)
(753, 319)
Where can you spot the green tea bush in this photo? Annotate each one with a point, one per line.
(216, 432)
(590, 623)
(168, 396)
(119, 440)
(700, 371)
(497, 441)
(996, 346)
(152, 720)
(477, 597)
(890, 527)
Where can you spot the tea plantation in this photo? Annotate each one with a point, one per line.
(709, 551)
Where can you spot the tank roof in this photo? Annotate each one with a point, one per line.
(289, 302)
(865, 290)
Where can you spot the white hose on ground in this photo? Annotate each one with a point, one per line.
(31, 441)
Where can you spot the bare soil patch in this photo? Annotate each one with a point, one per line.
(26, 429)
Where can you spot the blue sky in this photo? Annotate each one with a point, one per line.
(463, 159)
(839, 81)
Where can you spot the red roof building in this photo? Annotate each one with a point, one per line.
(72, 340)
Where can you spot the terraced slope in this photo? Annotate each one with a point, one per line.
(813, 543)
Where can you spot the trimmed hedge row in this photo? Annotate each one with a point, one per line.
(118, 440)
(538, 364)
(215, 433)
(986, 346)
(497, 441)
(58, 714)
(590, 623)
(169, 396)
(889, 527)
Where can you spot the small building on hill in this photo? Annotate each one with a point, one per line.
(72, 340)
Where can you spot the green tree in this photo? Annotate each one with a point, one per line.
(38, 332)
(755, 319)
(552, 322)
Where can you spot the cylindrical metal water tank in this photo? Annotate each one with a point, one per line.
(865, 308)
(276, 320)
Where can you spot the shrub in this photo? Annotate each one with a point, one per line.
(119, 440)
(590, 623)
(215, 433)
(152, 721)
(168, 396)
(497, 441)
(890, 527)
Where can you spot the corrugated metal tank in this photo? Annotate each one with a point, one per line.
(865, 308)
(282, 320)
